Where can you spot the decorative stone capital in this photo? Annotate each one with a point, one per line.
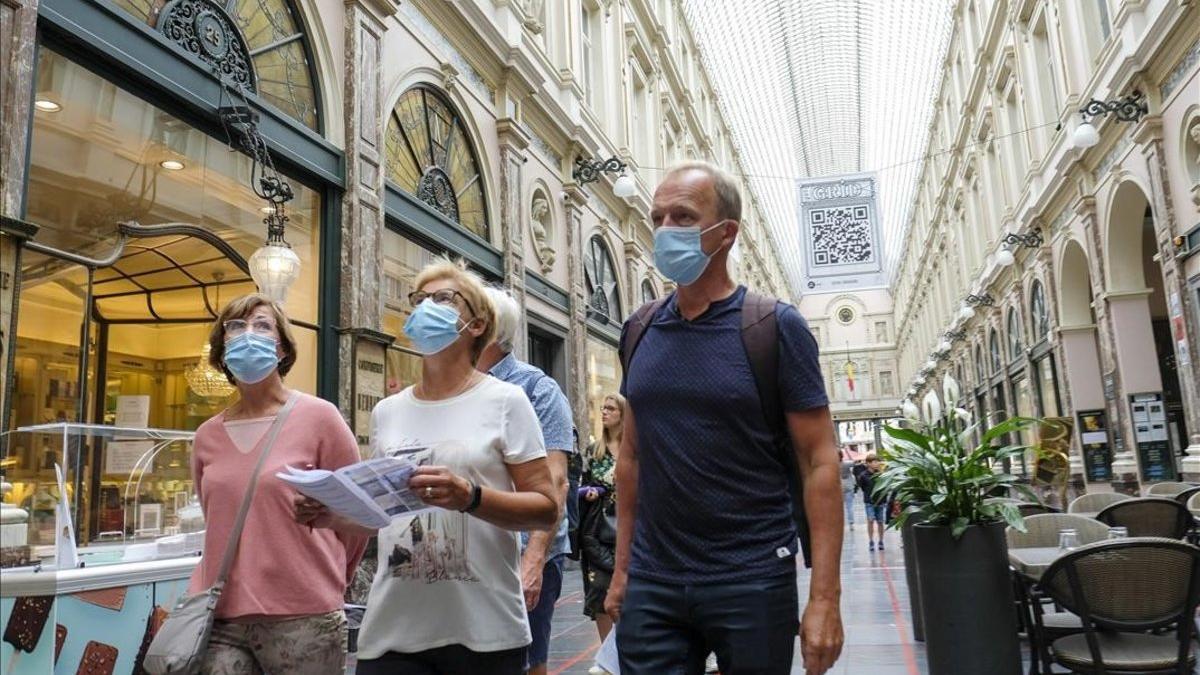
(512, 135)
(1148, 130)
(378, 9)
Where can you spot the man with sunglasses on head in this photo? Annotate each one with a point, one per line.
(543, 552)
(706, 541)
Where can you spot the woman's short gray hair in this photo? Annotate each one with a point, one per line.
(508, 317)
(729, 197)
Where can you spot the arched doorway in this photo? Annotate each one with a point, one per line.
(1081, 352)
(1137, 303)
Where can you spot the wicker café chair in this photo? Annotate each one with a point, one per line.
(1107, 585)
(1149, 517)
(1194, 503)
(1186, 496)
(1044, 623)
(1042, 530)
(1167, 489)
(1094, 502)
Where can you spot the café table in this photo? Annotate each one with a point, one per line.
(1033, 561)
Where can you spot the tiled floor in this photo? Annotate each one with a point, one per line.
(874, 611)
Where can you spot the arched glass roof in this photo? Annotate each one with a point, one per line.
(814, 88)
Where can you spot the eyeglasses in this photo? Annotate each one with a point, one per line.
(235, 327)
(444, 296)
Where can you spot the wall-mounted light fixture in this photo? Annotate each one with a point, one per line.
(1032, 239)
(1131, 108)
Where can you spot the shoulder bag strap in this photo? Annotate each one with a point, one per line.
(760, 338)
(235, 538)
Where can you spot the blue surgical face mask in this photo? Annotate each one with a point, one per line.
(251, 357)
(678, 253)
(432, 327)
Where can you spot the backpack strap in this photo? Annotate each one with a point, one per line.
(636, 327)
(760, 337)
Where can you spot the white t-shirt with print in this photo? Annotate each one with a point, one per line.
(446, 577)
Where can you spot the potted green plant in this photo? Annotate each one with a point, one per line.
(944, 481)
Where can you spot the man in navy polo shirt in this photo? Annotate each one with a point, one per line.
(706, 543)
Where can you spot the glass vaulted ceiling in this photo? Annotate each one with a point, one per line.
(814, 88)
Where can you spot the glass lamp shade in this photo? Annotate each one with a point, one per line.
(930, 365)
(920, 381)
(1085, 136)
(944, 347)
(966, 313)
(274, 268)
(1004, 257)
(624, 186)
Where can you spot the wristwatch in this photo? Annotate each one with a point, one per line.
(476, 496)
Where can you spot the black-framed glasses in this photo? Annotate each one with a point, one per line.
(444, 296)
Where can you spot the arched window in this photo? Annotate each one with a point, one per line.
(980, 368)
(1038, 315)
(604, 300)
(1016, 337)
(648, 292)
(429, 155)
(997, 361)
(272, 39)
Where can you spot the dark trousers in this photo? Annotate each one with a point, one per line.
(448, 660)
(668, 629)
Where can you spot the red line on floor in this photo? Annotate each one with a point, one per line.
(910, 657)
(575, 659)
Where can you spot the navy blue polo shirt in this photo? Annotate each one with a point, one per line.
(713, 502)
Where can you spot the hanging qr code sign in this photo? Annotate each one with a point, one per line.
(839, 230)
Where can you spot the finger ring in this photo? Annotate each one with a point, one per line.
(428, 492)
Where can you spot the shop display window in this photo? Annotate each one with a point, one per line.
(603, 378)
(99, 157)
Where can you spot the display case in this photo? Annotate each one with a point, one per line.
(123, 485)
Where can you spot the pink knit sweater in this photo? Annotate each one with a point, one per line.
(282, 569)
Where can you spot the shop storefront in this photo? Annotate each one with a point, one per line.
(148, 208)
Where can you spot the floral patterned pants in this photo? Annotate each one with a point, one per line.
(310, 645)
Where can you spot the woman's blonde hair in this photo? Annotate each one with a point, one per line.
(601, 448)
(473, 291)
(241, 308)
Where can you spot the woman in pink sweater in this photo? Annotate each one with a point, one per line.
(281, 610)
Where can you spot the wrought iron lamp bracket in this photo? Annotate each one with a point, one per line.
(1130, 108)
(589, 170)
(984, 299)
(1032, 239)
(956, 335)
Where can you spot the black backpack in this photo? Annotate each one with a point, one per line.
(760, 337)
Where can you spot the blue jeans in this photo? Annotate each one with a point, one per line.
(541, 616)
(848, 498)
(668, 629)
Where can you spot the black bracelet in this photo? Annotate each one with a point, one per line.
(476, 497)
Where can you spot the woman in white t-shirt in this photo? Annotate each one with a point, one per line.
(447, 595)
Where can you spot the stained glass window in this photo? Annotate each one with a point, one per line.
(278, 49)
(430, 155)
(604, 300)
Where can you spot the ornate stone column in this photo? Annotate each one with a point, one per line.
(1148, 135)
(576, 199)
(18, 50)
(514, 142)
(362, 203)
(1124, 464)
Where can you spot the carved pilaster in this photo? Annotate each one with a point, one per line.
(514, 143)
(576, 198)
(1187, 357)
(18, 49)
(362, 204)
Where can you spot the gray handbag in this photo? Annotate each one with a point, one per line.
(179, 646)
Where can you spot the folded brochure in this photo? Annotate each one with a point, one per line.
(370, 493)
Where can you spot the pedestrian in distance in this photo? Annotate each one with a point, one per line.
(599, 535)
(876, 505)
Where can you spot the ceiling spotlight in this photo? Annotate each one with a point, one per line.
(171, 164)
(46, 105)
